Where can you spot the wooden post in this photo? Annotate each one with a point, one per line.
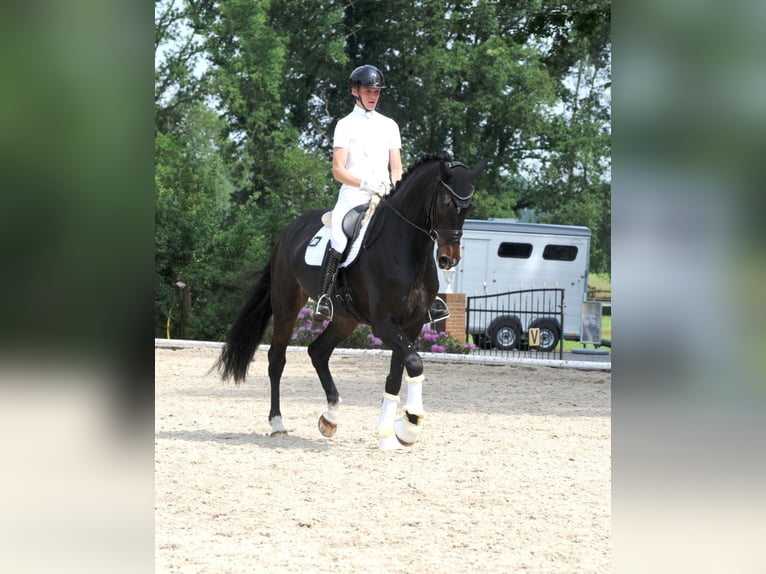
(185, 293)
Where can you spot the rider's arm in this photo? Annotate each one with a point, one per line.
(339, 171)
(395, 164)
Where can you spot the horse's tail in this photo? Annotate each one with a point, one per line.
(247, 331)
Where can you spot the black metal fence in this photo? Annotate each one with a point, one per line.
(522, 323)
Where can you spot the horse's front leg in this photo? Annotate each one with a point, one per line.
(409, 425)
(384, 430)
(405, 429)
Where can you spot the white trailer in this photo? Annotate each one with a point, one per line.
(501, 256)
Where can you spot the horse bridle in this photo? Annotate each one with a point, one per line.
(452, 236)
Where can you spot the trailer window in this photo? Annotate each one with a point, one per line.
(560, 252)
(515, 250)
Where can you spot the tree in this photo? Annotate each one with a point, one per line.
(571, 184)
(199, 235)
(253, 69)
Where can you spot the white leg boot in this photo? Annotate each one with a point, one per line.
(385, 429)
(408, 426)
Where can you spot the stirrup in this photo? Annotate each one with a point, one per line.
(438, 310)
(324, 309)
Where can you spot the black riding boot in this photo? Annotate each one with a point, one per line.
(438, 310)
(329, 268)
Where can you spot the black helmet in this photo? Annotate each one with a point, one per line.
(368, 76)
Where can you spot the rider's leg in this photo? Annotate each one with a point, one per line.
(324, 310)
(348, 198)
(332, 256)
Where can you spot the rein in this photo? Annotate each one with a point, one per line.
(452, 235)
(433, 235)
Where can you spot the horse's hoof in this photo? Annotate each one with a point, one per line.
(326, 428)
(279, 433)
(408, 428)
(403, 442)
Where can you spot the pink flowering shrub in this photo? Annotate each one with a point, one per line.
(429, 340)
(434, 341)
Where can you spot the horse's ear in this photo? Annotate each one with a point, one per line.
(479, 167)
(444, 170)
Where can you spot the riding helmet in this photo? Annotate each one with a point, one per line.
(368, 76)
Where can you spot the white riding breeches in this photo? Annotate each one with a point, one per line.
(348, 198)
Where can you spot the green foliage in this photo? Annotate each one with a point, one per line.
(200, 237)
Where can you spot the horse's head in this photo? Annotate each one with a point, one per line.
(453, 199)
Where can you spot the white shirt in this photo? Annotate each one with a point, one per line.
(368, 137)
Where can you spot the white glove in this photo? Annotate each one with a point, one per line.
(379, 188)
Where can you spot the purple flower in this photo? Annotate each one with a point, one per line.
(437, 349)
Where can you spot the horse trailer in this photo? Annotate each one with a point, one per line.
(517, 276)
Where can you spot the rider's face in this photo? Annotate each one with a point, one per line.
(368, 95)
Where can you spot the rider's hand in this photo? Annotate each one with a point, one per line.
(378, 188)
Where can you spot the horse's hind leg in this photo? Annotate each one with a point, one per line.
(320, 350)
(285, 314)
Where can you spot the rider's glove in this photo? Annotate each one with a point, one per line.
(378, 188)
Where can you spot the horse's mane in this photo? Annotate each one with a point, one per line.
(414, 166)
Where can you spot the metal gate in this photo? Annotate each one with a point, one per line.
(528, 323)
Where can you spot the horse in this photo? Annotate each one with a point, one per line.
(390, 287)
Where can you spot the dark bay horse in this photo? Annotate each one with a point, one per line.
(390, 287)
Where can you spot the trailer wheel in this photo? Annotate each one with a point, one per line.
(550, 334)
(504, 333)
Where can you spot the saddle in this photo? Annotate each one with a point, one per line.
(357, 225)
(351, 224)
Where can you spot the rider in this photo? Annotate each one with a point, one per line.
(366, 160)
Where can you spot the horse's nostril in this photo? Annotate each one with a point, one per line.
(444, 262)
